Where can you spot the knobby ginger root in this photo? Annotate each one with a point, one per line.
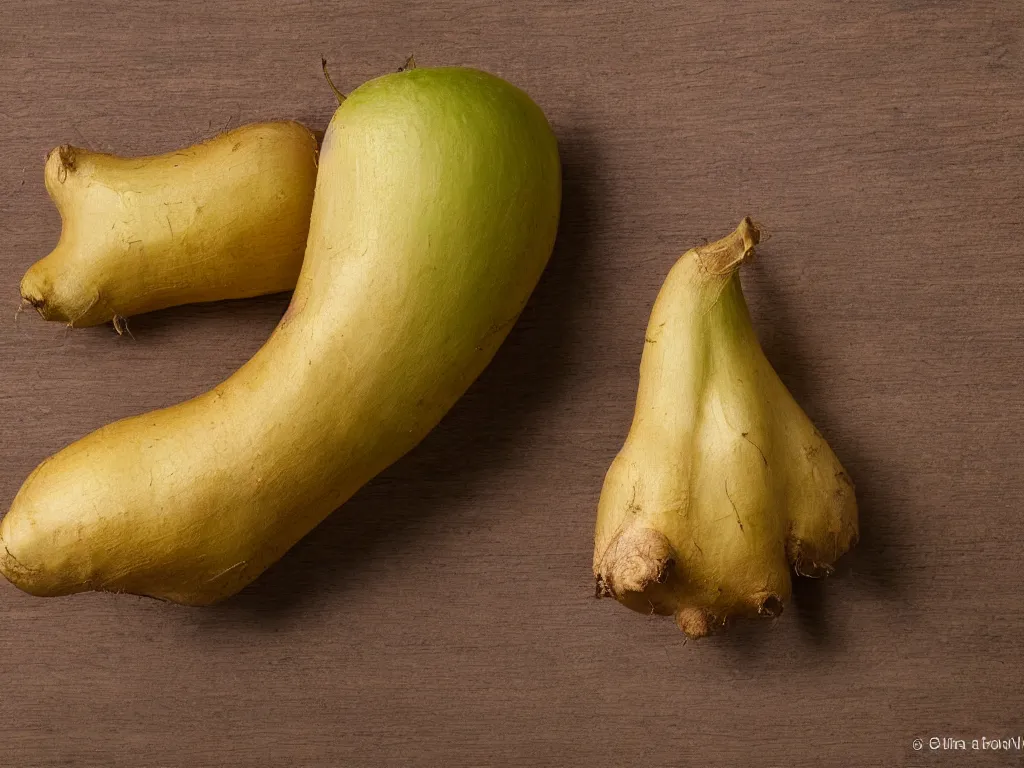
(723, 482)
(435, 213)
(224, 219)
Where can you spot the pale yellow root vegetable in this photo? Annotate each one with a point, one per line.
(435, 213)
(224, 219)
(723, 481)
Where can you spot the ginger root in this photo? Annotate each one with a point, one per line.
(723, 482)
(225, 219)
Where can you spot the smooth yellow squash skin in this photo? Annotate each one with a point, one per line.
(435, 213)
(224, 219)
(723, 481)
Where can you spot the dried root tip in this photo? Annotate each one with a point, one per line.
(697, 623)
(67, 156)
(700, 622)
(61, 161)
(723, 257)
(21, 308)
(804, 563)
(121, 325)
(811, 569)
(32, 297)
(29, 301)
(636, 559)
(770, 606)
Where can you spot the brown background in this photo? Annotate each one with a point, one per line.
(445, 616)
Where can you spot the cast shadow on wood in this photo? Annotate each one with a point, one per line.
(458, 456)
(153, 328)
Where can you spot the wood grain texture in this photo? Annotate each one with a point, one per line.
(445, 616)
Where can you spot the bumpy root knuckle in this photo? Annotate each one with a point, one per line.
(636, 559)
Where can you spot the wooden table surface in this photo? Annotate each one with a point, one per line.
(445, 616)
